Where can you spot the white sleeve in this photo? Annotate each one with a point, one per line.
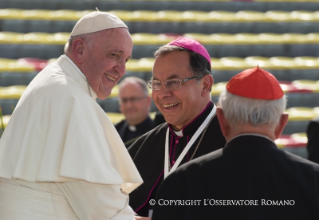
(92, 201)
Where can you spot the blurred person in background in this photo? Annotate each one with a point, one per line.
(250, 178)
(60, 155)
(181, 86)
(135, 104)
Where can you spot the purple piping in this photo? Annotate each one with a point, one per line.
(150, 192)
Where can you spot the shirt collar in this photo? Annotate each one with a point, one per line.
(94, 96)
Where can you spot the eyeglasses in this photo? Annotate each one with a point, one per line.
(170, 84)
(131, 99)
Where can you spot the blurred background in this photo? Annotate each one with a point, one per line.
(281, 36)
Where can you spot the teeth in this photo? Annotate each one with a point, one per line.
(110, 77)
(170, 105)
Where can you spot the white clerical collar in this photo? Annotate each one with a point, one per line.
(92, 93)
(179, 133)
(132, 128)
(75, 66)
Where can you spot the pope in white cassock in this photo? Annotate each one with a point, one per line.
(60, 155)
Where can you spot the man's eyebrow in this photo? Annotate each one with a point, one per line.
(121, 52)
(170, 77)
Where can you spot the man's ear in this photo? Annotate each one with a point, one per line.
(78, 46)
(282, 123)
(208, 82)
(224, 126)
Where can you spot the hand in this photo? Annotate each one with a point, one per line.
(142, 218)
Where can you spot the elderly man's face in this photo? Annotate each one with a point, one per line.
(134, 103)
(180, 106)
(105, 58)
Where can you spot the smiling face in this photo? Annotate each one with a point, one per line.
(180, 106)
(136, 103)
(103, 60)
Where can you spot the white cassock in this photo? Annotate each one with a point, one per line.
(60, 155)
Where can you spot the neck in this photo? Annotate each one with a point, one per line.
(266, 130)
(136, 122)
(200, 110)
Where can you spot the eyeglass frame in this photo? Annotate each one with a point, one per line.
(149, 83)
(131, 99)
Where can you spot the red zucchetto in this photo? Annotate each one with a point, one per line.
(255, 83)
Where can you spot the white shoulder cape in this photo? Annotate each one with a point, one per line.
(58, 133)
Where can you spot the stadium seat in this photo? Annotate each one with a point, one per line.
(295, 144)
(299, 118)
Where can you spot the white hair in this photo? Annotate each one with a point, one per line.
(257, 112)
(88, 38)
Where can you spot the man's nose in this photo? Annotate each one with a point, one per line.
(163, 92)
(121, 67)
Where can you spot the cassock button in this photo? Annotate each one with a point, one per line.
(176, 142)
(173, 162)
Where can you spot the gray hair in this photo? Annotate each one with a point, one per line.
(257, 112)
(133, 79)
(88, 38)
(198, 64)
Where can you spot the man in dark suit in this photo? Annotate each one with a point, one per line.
(250, 178)
(313, 140)
(181, 87)
(135, 104)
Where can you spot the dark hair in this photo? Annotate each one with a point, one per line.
(199, 65)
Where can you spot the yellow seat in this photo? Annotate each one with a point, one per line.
(306, 84)
(277, 16)
(150, 39)
(169, 15)
(217, 16)
(64, 15)
(234, 63)
(202, 38)
(5, 120)
(11, 92)
(195, 16)
(253, 16)
(132, 65)
(34, 38)
(36, 14)
(307, 62)
(58, 38)
(9, 38)
(11, 65)
(246, 38)
(316, 110)
(217, 88)
(301, 114)
(259, 61)
(304, 16)
(294, 38)
(217, 64)
(141, 15)
(115, 117)
(283, 62)
(11, 14)
(222, 38)
(146, 64)
(270, 38)
(313, 38)
(115, 92)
